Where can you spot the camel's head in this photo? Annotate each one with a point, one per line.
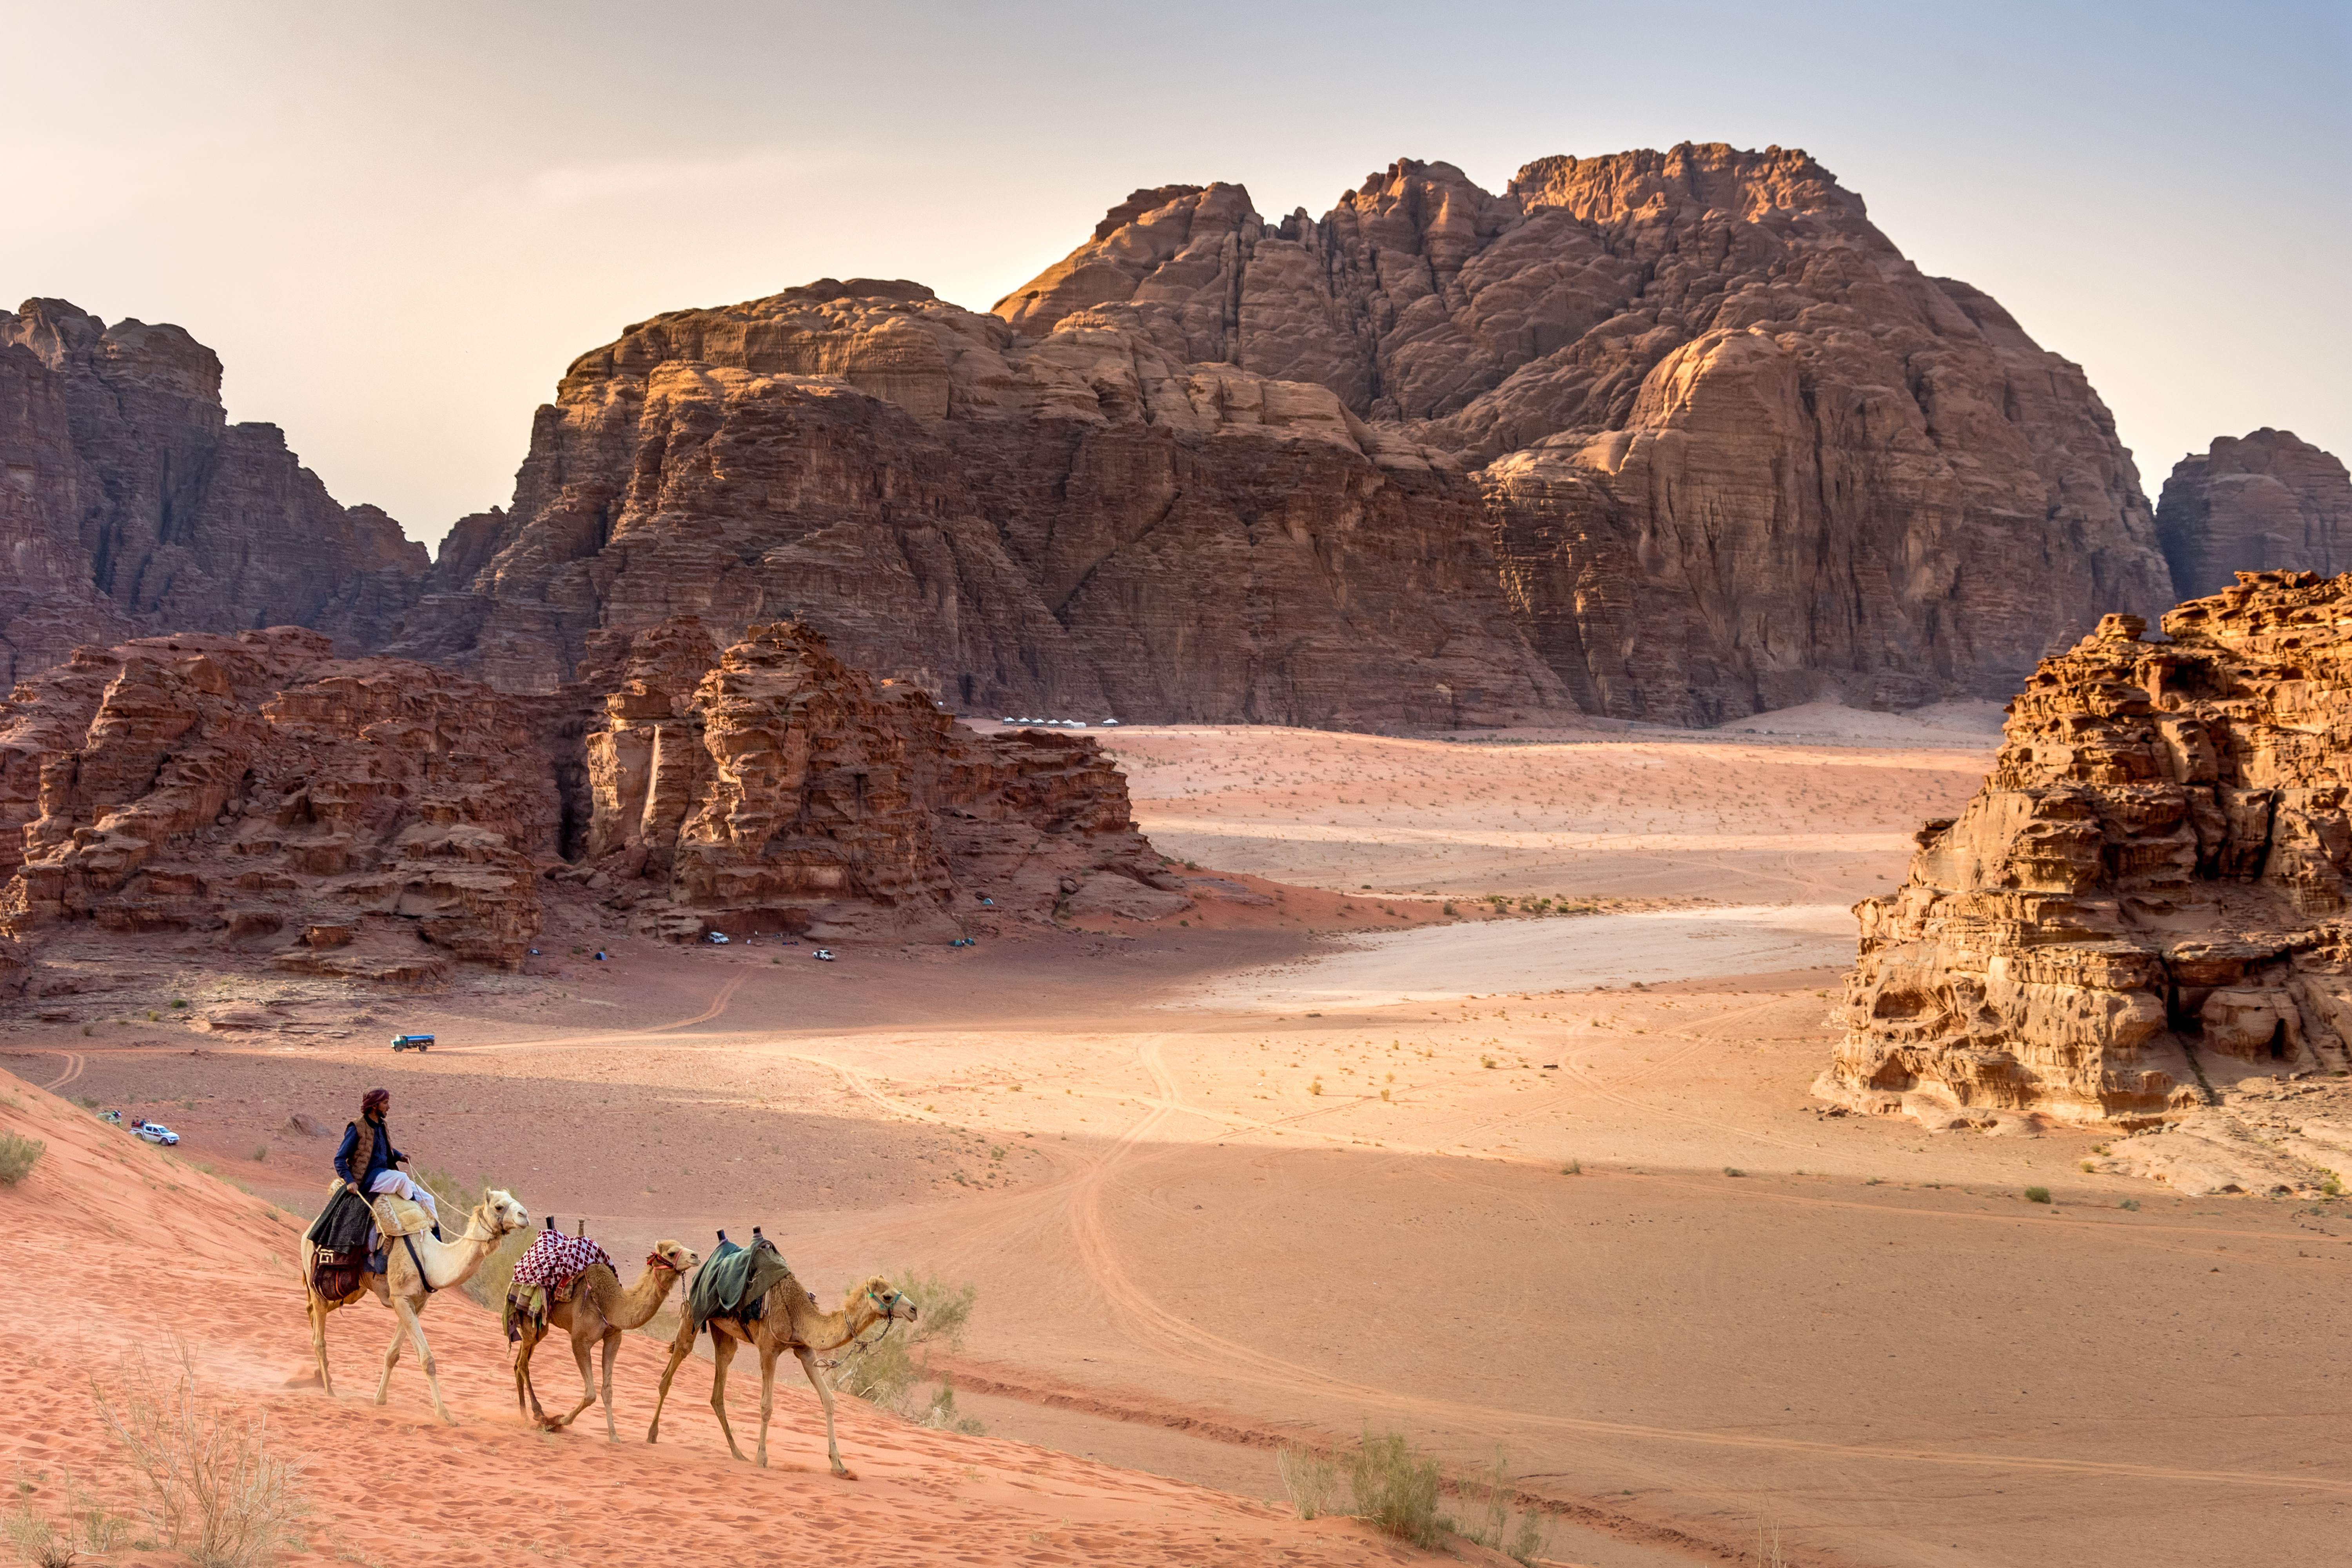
(674, 1257)
(503, 1212)
(880, 1294)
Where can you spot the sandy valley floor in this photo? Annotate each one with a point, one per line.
(1245, 1182)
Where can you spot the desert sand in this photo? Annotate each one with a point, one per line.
(1221, 1188)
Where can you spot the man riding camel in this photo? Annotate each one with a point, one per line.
(368, 1163)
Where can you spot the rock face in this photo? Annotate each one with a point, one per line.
(375, 817)
(1079, 527)
(129, 503)
(1674, 436)
(771, 788)
(2268, 502)
(258, 791)
(1737, 451)
(2147, 901)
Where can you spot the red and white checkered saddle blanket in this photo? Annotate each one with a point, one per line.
(553, 1259)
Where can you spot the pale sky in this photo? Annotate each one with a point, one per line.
(396, 224)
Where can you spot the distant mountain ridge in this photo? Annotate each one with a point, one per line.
(1677, 436)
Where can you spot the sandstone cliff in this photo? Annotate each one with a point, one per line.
(375, 817)
(2268, 502)
(769, 787)
(129, 503)
(1737, 451)
(2148, 902)
(258, 791)
(1083, 526)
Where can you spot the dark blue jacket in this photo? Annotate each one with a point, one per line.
(383, 1158)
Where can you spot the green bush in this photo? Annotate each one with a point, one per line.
(1396, 1490)
(18, 1155)
(890, 1369)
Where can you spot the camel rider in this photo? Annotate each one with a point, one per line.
(368, 1161)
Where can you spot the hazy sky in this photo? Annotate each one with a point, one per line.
(397, 223)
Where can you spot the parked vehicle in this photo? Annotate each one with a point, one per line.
(155, 1132)
(824, 954)
(412, 1042)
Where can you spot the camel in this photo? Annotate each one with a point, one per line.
(788, 1321)
(447, 1264)
(599, 1310)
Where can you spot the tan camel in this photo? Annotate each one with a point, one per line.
(788, 1321)
(447, 1264)
(599, 1310)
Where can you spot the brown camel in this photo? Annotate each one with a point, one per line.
(447, 1264)
(599, 1310)
(788, 1321)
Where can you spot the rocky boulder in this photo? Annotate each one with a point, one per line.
(2146, 904)
(2267, 502)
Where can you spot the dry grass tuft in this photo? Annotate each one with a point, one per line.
(216, 1490)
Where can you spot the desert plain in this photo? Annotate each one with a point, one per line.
(1470, 1101)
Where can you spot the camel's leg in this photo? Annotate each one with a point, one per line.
(679, 1349)
(415, 1331)
(580, 1346)
(767, 1397)
(318, 1305)
(612, 1350)
(832, 1450)
(722, 1350)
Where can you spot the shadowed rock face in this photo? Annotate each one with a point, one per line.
(253, 789)
(2268, 502)
(1666, 435)
(129, 503)
(2156, 866)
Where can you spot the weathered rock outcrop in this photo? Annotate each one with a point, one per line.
(1081, 526)
(2266, 503)
(1685, 425)
(259, 789)
(769, 787)
(2150, 891)
(374, 817)
(129, 503)
(1737, 451)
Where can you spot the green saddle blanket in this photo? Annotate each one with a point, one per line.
(734, 1280)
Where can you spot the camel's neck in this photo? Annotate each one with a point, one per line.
(448, 1263)
(831, 1331)
(638, 1304)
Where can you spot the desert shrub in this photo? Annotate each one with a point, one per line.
(214, 1488)
(18, 1155)
(1311, 1480)
(1488, 1497)
(2037, 1195)
(891, 1370)
(1396, 1488)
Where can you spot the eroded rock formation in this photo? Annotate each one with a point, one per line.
(769, 787)
(2268, 502)
(257, 790)
(1667, 435)
(375, 817)
(2148, 902)
(129, 503)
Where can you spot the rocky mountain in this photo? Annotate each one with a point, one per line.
(375, 817)
(2147, 902)
(1669, 435)
(2268, 502)
(129, 503)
